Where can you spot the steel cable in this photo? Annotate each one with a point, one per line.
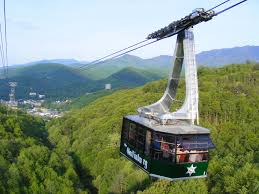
(95, 61)
(99, 61)
(6, 45)
(2, 49)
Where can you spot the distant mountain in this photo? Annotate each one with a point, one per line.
(161, 64)
(58, 81)
(158, 65)
(48, 61)
(53, 80)
(162, 61)
(13, 69)
(219, 57)
(59, 61)
(130, 77)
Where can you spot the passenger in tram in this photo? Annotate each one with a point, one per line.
(181, 154)
(195, 156)
(198, 155)
(165, 149)
(157, 142)
(157, 146)
(148, 143)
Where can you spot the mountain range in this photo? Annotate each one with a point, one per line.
(160, 64)
(47, 61)
(237, 55)
(61, 78)
(58, 81)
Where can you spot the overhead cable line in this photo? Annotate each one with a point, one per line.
(96, 61)
(218, 5)
(88, 66)
(6, 45)
(2, 49)
(99, 61)
(112, 55)
(232, 6)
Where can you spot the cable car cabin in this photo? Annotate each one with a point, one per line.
(177, 151)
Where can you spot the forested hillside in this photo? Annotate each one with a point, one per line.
(80, 101)
(65, 80)
(159, 64)
(52, 80)
(79, 153)
(58, 82)
(229, 106)
(130, 77)
(29, 163)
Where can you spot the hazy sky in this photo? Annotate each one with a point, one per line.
(86, 30)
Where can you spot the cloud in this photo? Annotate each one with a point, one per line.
(24, 24)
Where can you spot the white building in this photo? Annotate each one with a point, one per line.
(108, 86)
(41, 96)
(33, 94)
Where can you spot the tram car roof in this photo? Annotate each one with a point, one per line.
(178, 128)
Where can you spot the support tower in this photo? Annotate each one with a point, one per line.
(12, 93)
(184, 57)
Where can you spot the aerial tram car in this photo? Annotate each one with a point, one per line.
(166, 144)
(172, 145)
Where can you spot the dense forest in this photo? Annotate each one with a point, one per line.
(59, 82)
(79, 153)
(78, 102)
(29, 163)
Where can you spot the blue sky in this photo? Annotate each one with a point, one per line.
(86, 30)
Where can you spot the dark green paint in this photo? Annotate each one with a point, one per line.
(123, 151)
(164, 168)
(172, 170)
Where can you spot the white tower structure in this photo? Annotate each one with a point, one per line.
(184, 56)
(12, 93)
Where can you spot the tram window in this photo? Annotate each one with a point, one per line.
(140, 138)
(192, 148)
(132, 133)
(135, 135)
(148, 143)
(125, 131)
(157, 141)
(163, 147)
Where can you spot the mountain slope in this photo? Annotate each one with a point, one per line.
(47, 61)
(130, 77)
(57, 81)
(29, 163)
(162, 64)
(229, 105)
(53, 80)
(107, 68)
(225, 56)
